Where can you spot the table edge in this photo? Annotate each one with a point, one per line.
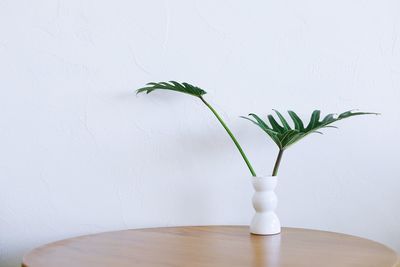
(23, 264)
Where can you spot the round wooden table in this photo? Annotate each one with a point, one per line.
(217, 246)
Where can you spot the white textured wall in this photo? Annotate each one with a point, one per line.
(80, 153)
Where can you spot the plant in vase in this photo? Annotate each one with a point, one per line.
(265, 221)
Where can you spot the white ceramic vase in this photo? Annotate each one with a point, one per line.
(265, 201)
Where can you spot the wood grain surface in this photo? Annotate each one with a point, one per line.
(206, 246)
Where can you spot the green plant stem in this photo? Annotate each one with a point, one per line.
(253, 173)
(277, 163)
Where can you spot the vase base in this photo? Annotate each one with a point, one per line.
(265, 224)
(265, 234)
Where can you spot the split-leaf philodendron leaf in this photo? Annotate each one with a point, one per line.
(173, 86)
(187, 88)
(284, 135)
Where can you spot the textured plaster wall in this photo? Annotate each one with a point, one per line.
(80, 153)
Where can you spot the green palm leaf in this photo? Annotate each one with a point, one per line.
(185, 88)
(284, 136)
(189, 89)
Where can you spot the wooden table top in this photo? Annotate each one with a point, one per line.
(206, 246)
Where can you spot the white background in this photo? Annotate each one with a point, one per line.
(81, 153)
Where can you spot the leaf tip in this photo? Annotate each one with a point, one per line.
(138, 91)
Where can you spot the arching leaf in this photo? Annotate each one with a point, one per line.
(284, 136)
(185, 88)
